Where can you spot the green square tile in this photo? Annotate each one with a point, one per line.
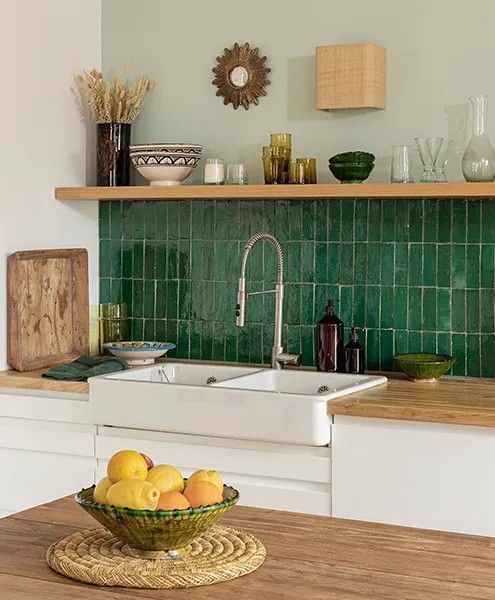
(444, 309)
(346, 263)
(488, 221)
(307, 304)
(415, 342)
(472, 311)
(459, 221)
(127, 256)
(105, 256)
(487, 311)
(333, 263)
(161, 220)
(321, 262)
(429, 309)
(293, 262)
(223, 309)
(372, 306)
(308, 219)
(401, 220)
(401, 295)
(387, 261)
(137, 298)
(281, 230)
(307, 346)
(429, 342)
(386, 350)
(172, 300)
(444, 343)
(149, 330)
(487, 272)
(208, 303)
(231, 341)
(185, 230)
(207, 225)
(127, 220)
(444, 220)
(208, 260)
(173, 208)
(359, 318)
(150, 221)
(430, 229)
(401, 264)
(388, 220)
(295, 220)
(415, 264)
(361, 220)
(127, 285)
(137, 329)
(429, 264)
(415, 308)
(321, 220)
(115, 258)
(255, 343)
(401, 344)
(149, 260)
(334, 220)
(487, 355)
(473, 264)
(184, 300)
(220, 258)
(347, 221)
(444, 260)
(116, 290)
(458, 266)
(361, 263)
(115, 220)
(346, 303)
(138, 260)
(387, 315)
(374, 262)
(104, 290)
(183, 339)
(138, 220)
(459, 311)
(473, 366)
(218, 351)
(104, 220)
(474, 221)
(416, 220)
(372, 349)
(161, 299)
(149, 294)
(160, 330)
(160, 259)
(292, 304)
(195, 340)
(307, 262)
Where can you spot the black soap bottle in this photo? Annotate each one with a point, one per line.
(330, 342)
(354, 354)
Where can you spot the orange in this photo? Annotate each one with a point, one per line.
(212, 476)
(202, 493)
(127, 464)
(172, 500)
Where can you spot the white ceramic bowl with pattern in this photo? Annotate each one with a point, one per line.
(165, 163)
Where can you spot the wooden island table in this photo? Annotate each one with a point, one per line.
(308, 558)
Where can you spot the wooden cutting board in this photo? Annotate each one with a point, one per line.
(47, 307)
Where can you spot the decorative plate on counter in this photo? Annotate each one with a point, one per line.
(139, 353)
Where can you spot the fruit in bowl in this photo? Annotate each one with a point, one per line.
(165, 163)
(155, 511)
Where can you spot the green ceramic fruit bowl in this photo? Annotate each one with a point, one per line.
(351, 172)
(156, 533)
(424, 367)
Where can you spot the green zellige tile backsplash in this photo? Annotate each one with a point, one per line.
(415, 275)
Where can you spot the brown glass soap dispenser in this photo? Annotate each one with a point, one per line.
(330, 342)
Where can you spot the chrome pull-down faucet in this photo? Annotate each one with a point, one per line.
(279, 357)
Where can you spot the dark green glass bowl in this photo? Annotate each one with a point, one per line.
(424, 367)
(354, 156)
(351, 172)
(151, 533)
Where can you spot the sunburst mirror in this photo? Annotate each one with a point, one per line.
(241, 75)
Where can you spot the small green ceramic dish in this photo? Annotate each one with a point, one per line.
(156, 533)
(424, 367)
(351, 172)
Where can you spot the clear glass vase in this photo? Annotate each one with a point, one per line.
(478, 162)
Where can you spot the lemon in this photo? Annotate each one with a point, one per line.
(211, 476)
(133, 493)
(101, 489)
(166, 478)
(127, 464)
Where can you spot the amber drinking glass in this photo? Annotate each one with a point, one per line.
(113, 323)
(309, 169)
(297, 172)
(281, 139)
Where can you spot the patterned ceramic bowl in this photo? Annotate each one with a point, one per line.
(167, 163)
(424, 367)
(157, 533)
(139, 353)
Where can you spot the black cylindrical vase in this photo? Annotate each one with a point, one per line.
(112, 154)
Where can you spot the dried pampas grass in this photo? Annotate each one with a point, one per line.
(112, 101)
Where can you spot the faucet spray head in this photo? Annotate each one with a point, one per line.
(240, 309)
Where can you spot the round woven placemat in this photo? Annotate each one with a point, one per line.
(95, 556)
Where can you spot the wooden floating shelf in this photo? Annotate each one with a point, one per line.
(274, 192)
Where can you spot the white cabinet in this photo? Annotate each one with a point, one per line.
(43, 459)
(416, 474)
(268, 475)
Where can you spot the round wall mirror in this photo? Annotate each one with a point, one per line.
(241, 75)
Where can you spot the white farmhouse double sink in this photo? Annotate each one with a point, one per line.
(223, 401)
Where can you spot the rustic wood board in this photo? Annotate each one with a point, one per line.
(47, 307)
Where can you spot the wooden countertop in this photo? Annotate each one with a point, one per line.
(32, 380)
(308, 558)
(451, 400)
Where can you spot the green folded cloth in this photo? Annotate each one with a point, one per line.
(85, 367)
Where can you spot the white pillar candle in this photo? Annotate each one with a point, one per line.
(214, 171)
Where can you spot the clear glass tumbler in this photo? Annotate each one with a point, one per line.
(429, 148)
(236, 174)
(401, 165)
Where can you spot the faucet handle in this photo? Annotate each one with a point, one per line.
(288, 359)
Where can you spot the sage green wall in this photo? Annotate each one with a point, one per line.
(438, 53)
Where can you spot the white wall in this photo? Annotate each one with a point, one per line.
(43, 141)
(438, 51)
